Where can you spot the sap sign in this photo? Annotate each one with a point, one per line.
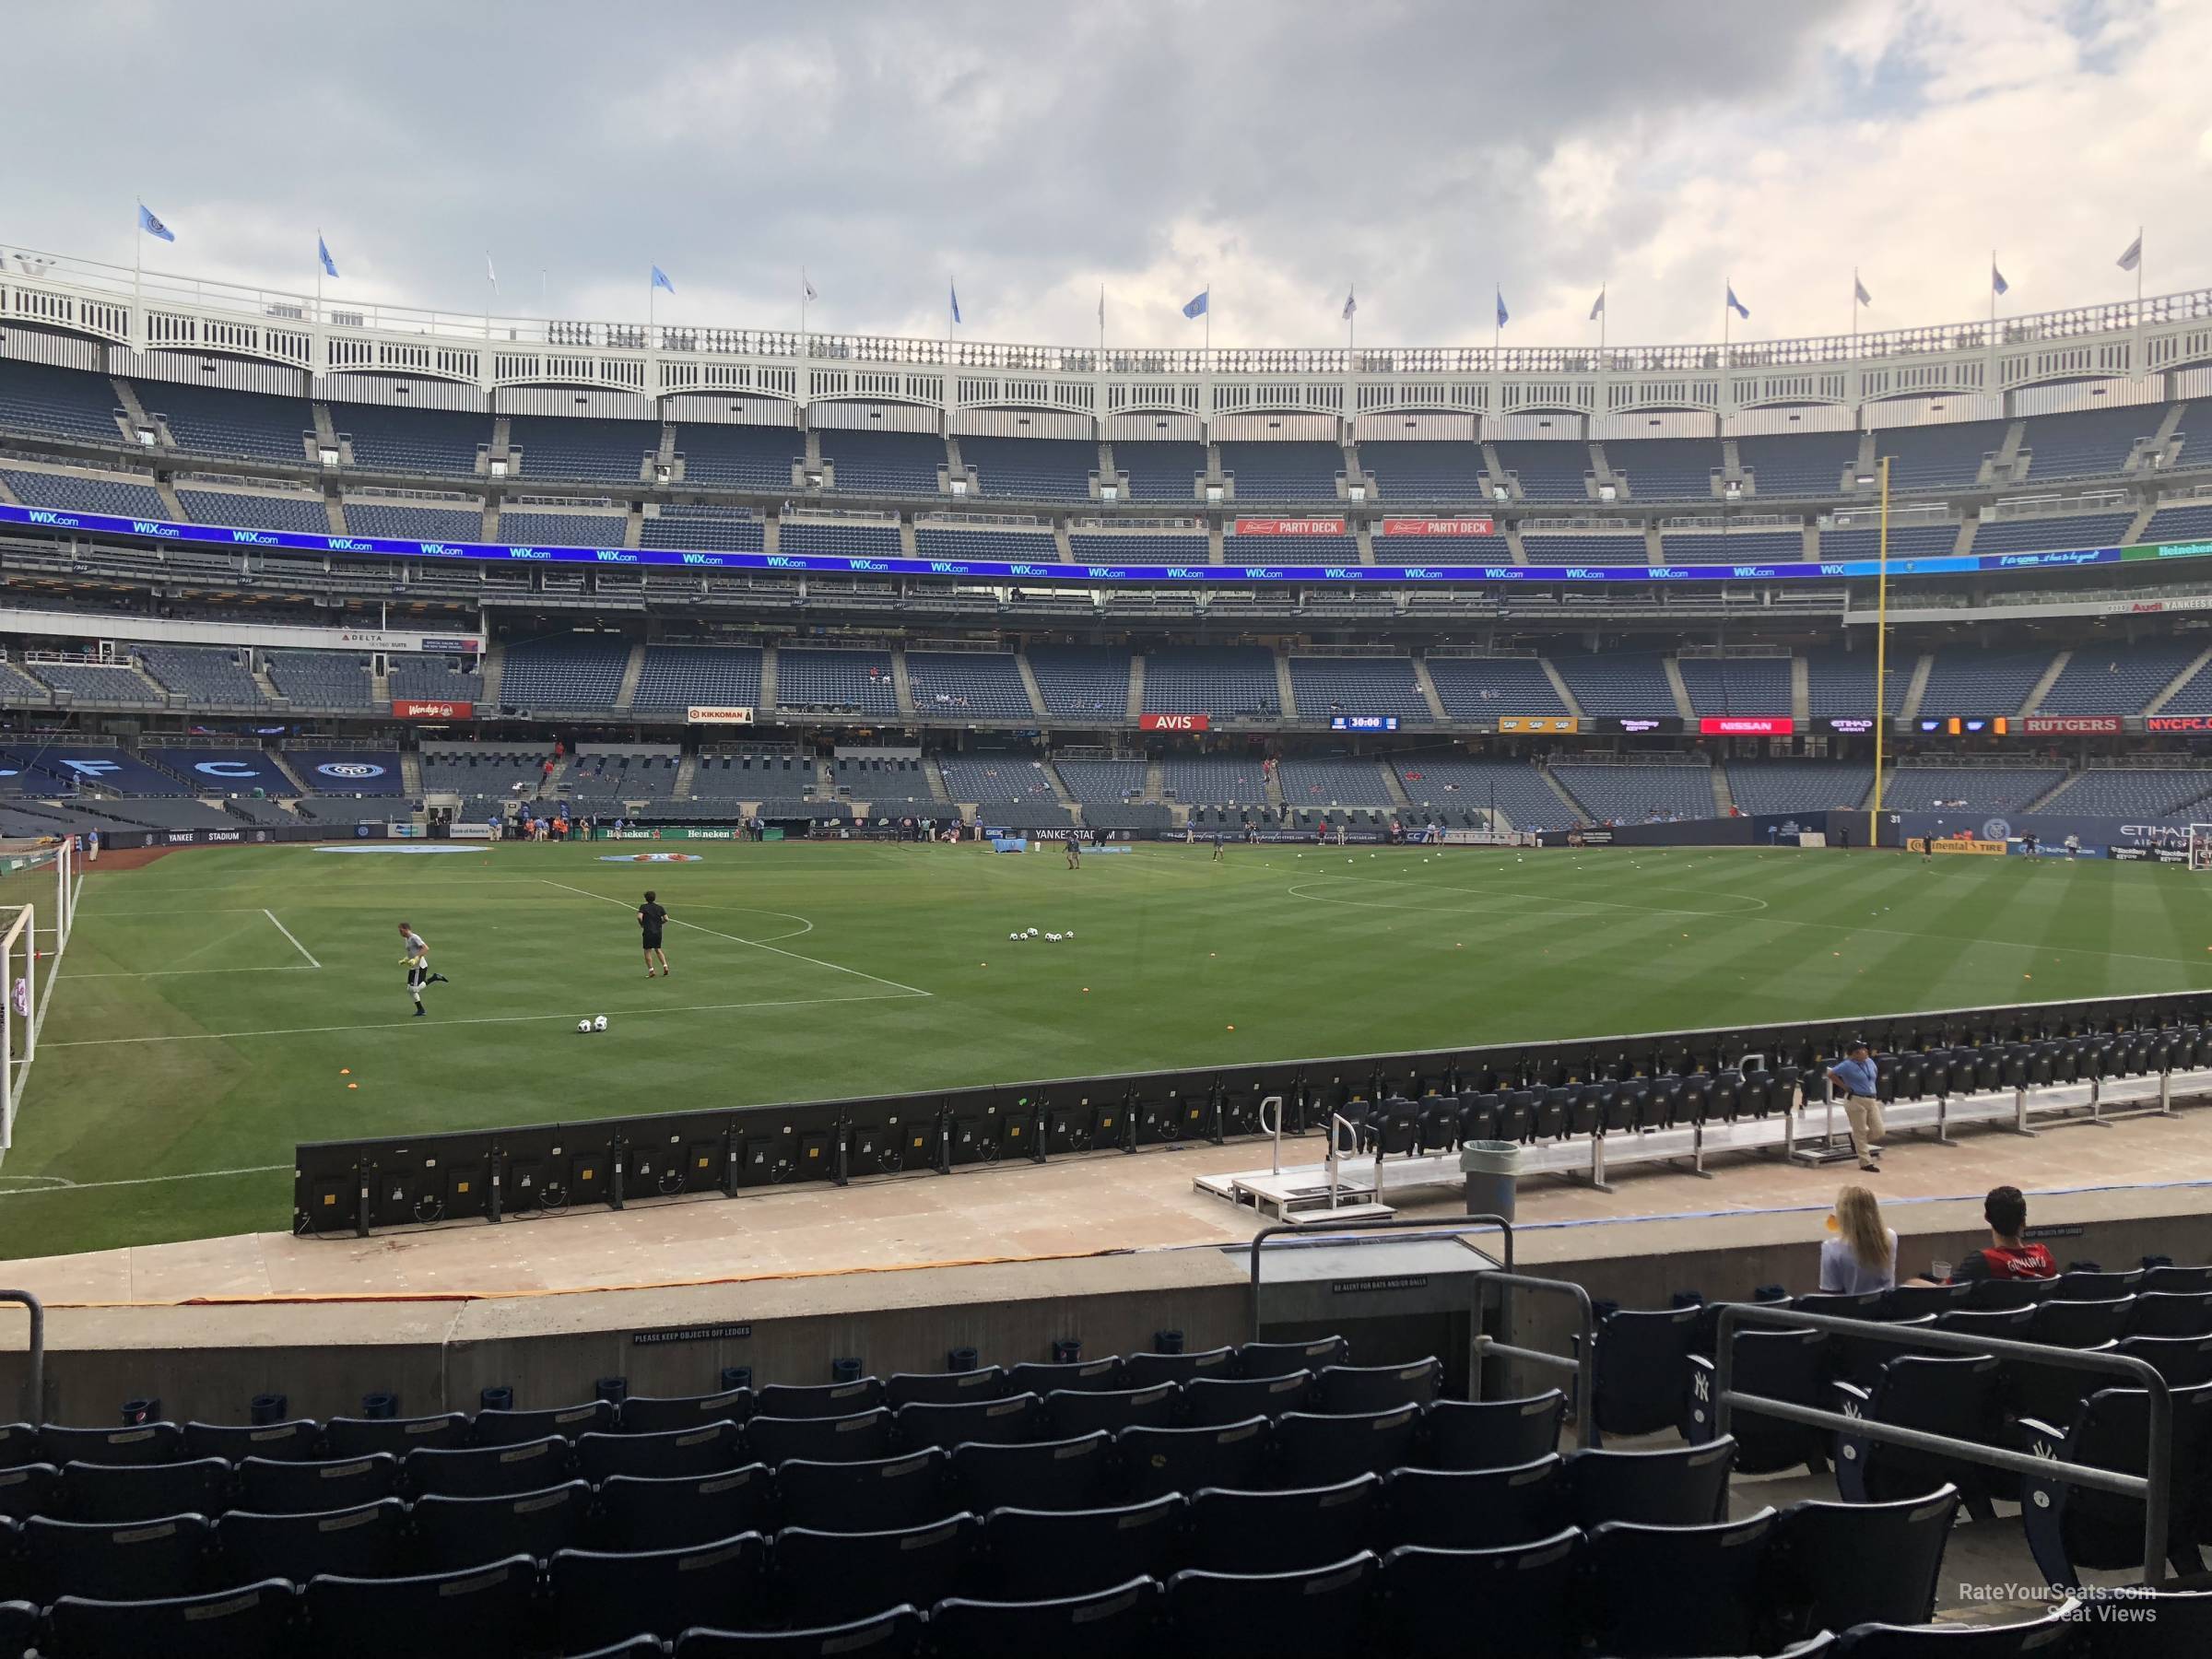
(352, 771)
(227, 768)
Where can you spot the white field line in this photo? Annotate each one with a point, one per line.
(60, 1184)
(756, 944)
(287, 934)
(175, 972)
(388, 1025)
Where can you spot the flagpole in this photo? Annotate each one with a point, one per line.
(1728, 287)
(2138, 300)
(1209, 321)
(1881, 658)
(318, 274)
(138, 276)
(1602, 311)
(1854, 314)
(1496, 328)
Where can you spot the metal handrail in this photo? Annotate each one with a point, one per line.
(2151, 1487)
(1375, 1223)
(1274, 1128)
(37, 1411)
(1584, 1363)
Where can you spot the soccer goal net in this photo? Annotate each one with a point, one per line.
(38, 900)
(2200, 847)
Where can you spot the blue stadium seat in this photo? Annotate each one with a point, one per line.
(1681, 1486)
(277, 1486)
(1378, 1388)
(1143, 1371)
(1282, 1358)
(1524, 1599)
(637, 1513)
(142, 1443)
(1076, 1411)
(895, 1633)
(824, 1575)
(489, 1471)
(649, 1414)
(1042, 1553)
(863, 1436)
(136, 1492)
(251, 1622)
(1002, 1422)
(1217, 1402)
(164, 1557)
(368, 1541)
(1491, 1434)
(1042, 1474)
(1183, 1460)
(1107, 1624)
(908, 1490)
(1840, 1564)
(1298, 1527)
(2047, 1636)
(1319, 1608)
(822, 1400)
(31, 1488)
(469, 1531)
(944, 1388)
(601, 1598)
(1316, 1451)
(494, 1428)
(1478, 1509)
(1678, 1590)
(665, 1455)
(481, 1613)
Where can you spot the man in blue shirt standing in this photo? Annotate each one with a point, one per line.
(1853, 1078)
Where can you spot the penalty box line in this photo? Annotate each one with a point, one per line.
(392, 1025)
(755, 943)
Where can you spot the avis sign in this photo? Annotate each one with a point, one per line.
(1173, 722)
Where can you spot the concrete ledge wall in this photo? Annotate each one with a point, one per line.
(206, 1362)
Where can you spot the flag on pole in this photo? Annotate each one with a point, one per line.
(954, 288)
(1351, 304)
(660, 279)
(1858, 291)
(330, 267)
(490, 276)
(1997, 285)
(1197, 307)
(1737, 306)
(806, 287)
(1504, 316)
(2133, 257)
(1101, 305)
(1598, 309)
(152, 226)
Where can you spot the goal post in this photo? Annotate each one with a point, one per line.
(37, 905)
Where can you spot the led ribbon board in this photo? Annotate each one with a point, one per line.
(1085, 574)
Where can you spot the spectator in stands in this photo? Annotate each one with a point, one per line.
(1863, 1255)
(1855, 1079)
(2006, 1256)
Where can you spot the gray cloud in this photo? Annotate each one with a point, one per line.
(1281, 150)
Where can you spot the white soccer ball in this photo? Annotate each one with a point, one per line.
(584, 1026)
(1032, 933)
(1052, 938)
(1013, 935)
(599, 1023)
(1069, 935)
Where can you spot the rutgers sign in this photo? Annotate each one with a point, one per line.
(412, 708)
(1174, 722)
(2038, 725)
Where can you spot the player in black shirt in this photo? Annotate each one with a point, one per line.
(652, 918)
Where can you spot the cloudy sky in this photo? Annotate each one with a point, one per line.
(1279, 150)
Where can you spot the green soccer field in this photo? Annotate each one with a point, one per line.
(216, 1007)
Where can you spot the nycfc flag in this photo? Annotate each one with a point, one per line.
(1504, 315)
(152, 226)
(1997, 285)
(953, 288)
(1598, 309)
(330, 267)
(1350, 305)
(2133, 257)
(1737, 306)
(806, 286)
(660, 279)
(1858, 291)
(1197, 307)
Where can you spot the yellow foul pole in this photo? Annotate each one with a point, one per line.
(1881, 660)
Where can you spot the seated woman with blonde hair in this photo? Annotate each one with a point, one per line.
(1863, 1255)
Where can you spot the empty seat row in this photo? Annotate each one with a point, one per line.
(1761, 1584)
